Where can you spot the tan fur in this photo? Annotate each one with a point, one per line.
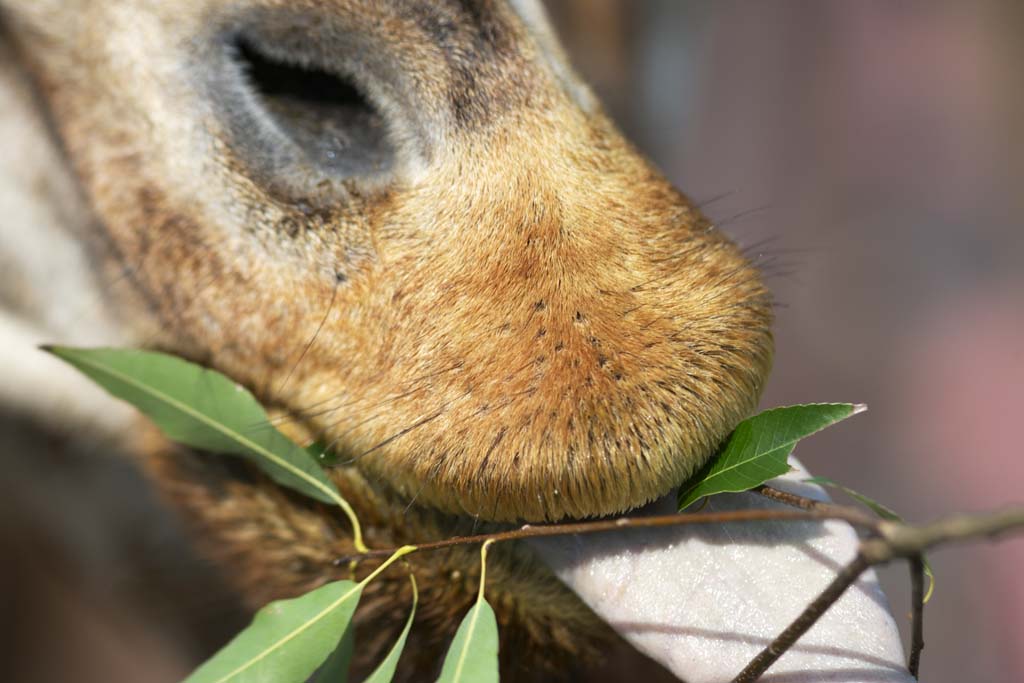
(280, 545)
(520, 320)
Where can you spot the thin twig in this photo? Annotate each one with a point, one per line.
(785, 640)
(907, 540)
(895, 540)
(804, 503)
(917, 627)
(731, 516)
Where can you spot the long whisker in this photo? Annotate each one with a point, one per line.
(308, 413)
(312, 340)
(397, 435)
(701, 205)
(742, 214)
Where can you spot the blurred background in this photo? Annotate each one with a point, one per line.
(871, 154)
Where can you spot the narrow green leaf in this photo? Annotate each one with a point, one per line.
(385, 671)
(882, 511)
(759, 447)
(287, 640)
(335, 669)
(473, 655)
(204, 409)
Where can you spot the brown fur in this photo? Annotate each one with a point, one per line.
(280, 545)
(520, 320)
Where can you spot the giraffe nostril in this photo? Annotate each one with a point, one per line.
(300, 124)
(325, 115)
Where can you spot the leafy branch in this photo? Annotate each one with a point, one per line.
(850, 515)
(888, 540)
(290, 640)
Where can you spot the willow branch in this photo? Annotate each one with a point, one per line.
(850, 515)
(888, 540)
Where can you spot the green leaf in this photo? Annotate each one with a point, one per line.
(473, 655)
(385, 671)
(758, 449)
(204, 409)
(287, 640)
(335, 669)
(882, 511)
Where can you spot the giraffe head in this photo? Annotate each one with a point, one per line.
(409, 226)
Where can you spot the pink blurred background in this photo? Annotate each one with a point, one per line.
(871, 153)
